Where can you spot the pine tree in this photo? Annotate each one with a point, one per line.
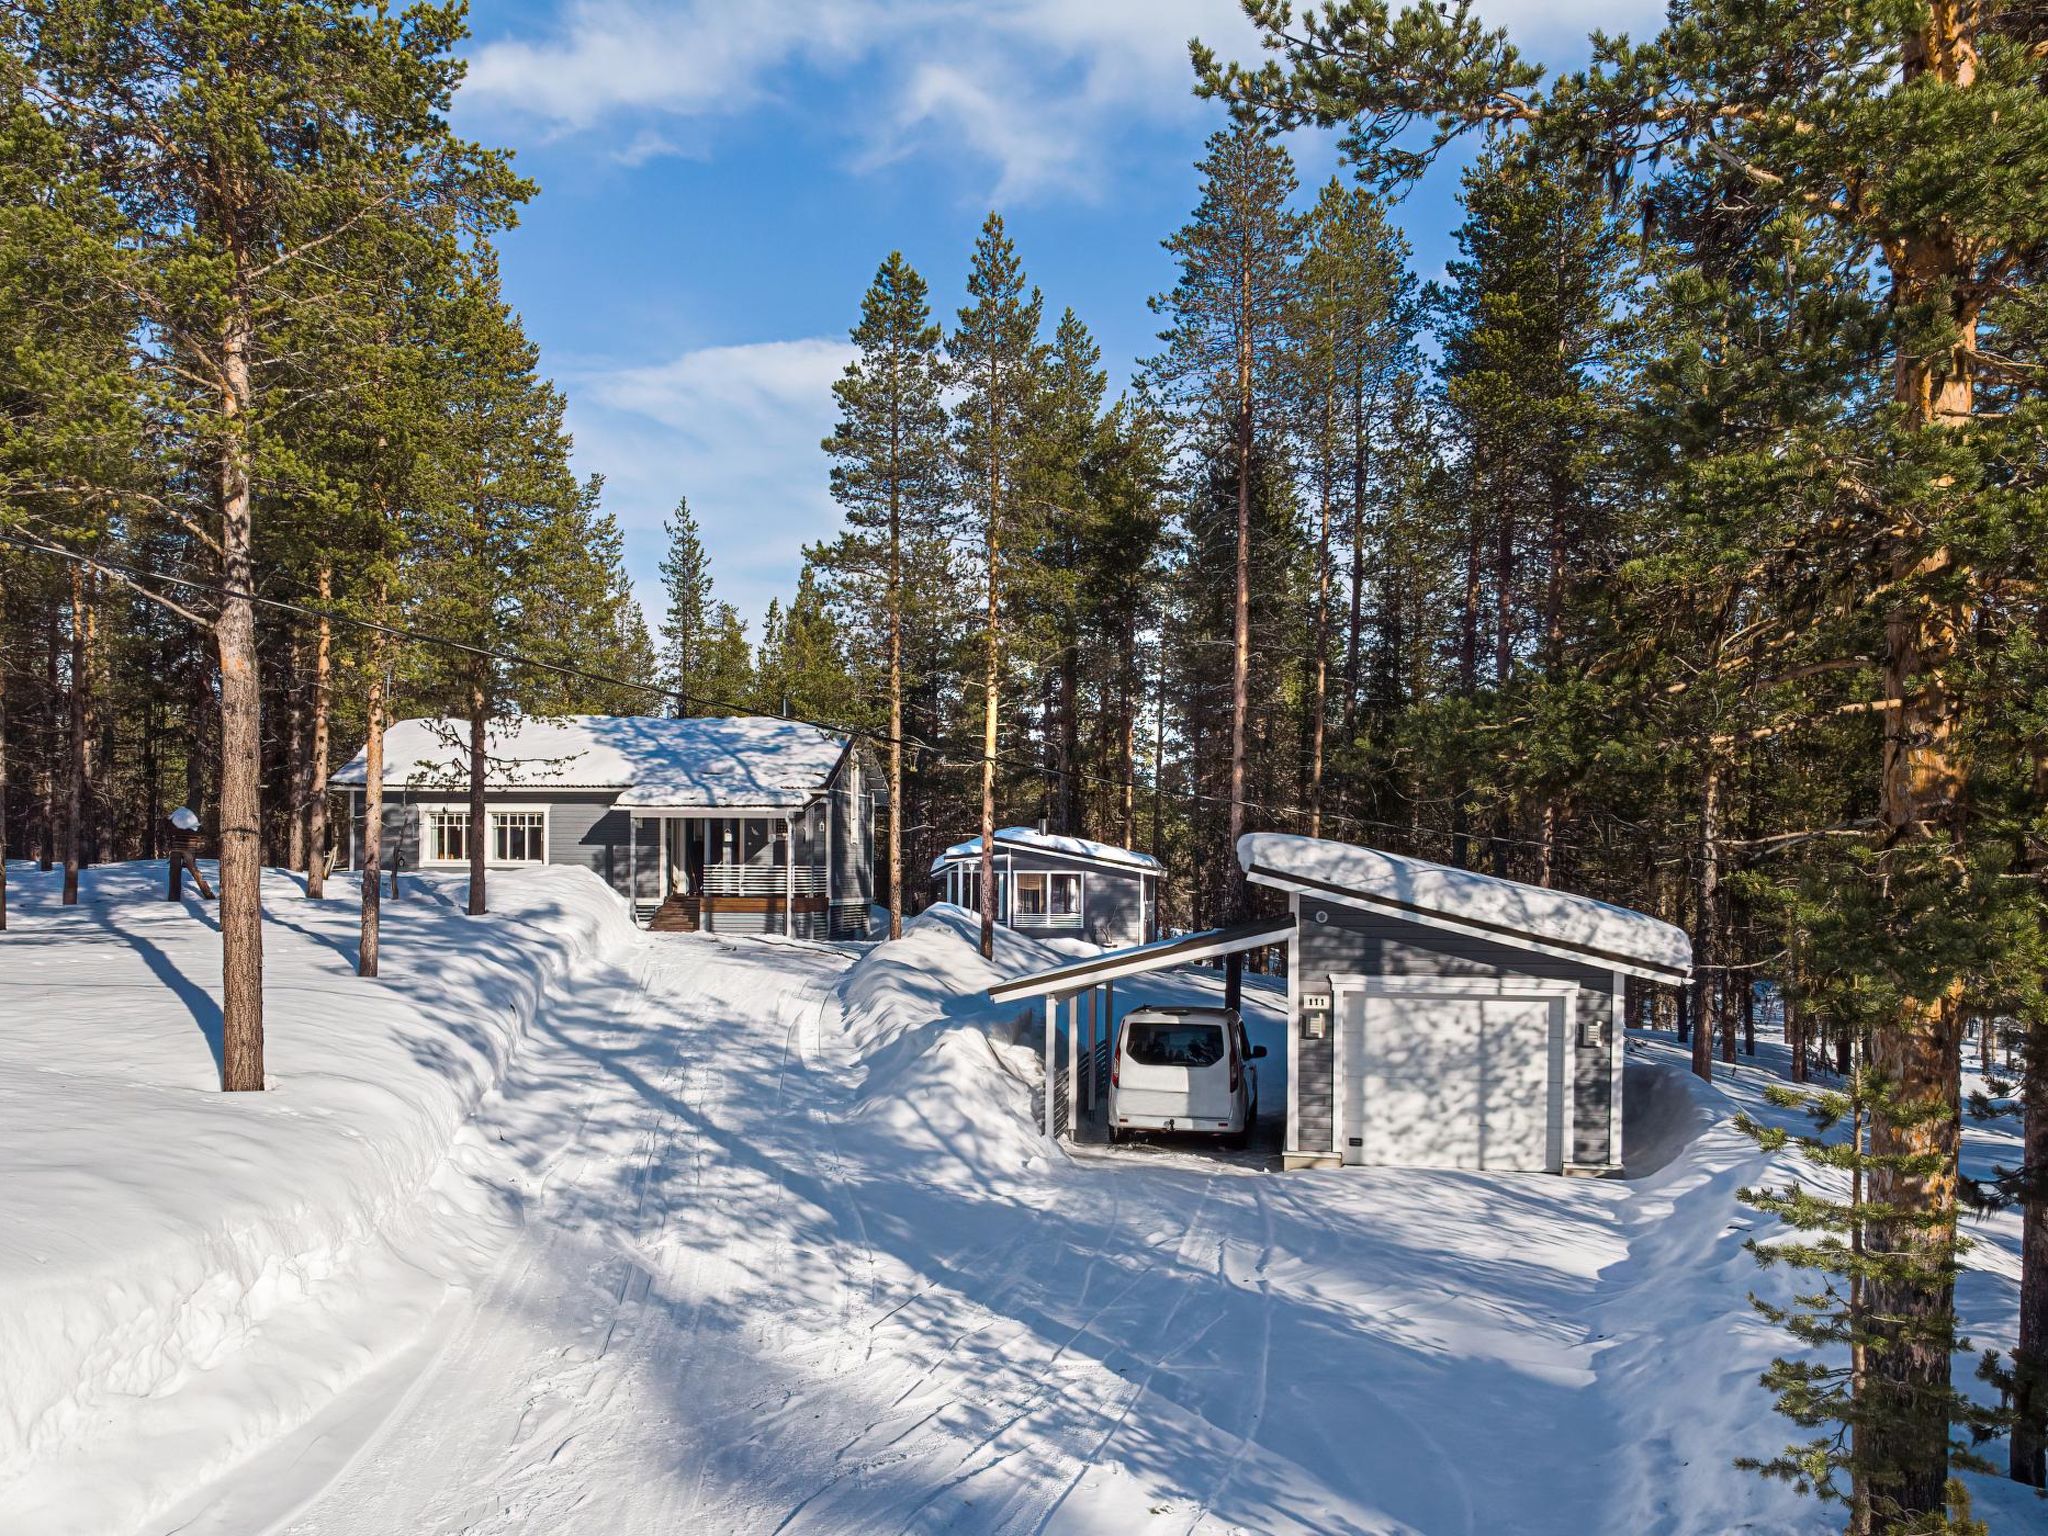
(1872, 130)
(1224, 369)
(1355, 344)
(239, 140)
(998, 366)
(725, 681)
(891, 475)
(685, 623)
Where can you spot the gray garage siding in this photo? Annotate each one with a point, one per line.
(1355, 941)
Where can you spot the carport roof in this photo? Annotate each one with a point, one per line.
(1159, 955)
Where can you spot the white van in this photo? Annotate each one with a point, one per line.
(1183, 1069)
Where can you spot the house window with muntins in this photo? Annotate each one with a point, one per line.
(448, 837)
(515, 837)
(519, 837)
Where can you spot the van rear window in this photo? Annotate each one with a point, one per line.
(1174, 1045)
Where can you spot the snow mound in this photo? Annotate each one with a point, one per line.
(1664, 1110)
(950, 1074)
(189, 1274)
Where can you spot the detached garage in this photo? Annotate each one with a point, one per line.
(1449, 1019)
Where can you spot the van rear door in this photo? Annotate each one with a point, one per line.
(1175, 1068)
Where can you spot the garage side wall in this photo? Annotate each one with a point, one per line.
(1355, 941)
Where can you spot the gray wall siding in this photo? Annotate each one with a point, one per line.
(1355, 941)
(1315, 1088)
(580, 825)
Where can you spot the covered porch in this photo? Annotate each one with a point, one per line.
(718, 870)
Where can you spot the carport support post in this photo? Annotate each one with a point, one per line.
(1052, 1035)
(1094, 997)
(1108, 1028)
(1074, 1067)
(1233, 979)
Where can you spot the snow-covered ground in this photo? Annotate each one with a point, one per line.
(561, 1227)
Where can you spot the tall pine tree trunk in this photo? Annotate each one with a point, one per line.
(1070, 739)
(2027, 1452)
(2027, 1455)
(74, 780)
(479, 828)
(316, 804)
(373, 803)
(992, 675)
(895, 675)
(298, 759)
(1706, 922)
(1354, 641)
(1904, 1458)
(1235, 904)
(52, 733)
(3, 767)
(241, 729)
(1319, 691)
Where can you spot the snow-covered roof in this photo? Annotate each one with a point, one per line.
(1051, 842)
(745, 760)
(1505, 910)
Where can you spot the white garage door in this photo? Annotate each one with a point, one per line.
(1454, 1081)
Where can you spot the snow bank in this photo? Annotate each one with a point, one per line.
(189, 1274)
(949, 1073)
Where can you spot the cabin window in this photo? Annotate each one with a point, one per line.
(1049, 899)
(448, 837)
(519, 837)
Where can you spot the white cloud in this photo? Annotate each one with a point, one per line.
(736, 429)
(1038, 90)
(1035, 89)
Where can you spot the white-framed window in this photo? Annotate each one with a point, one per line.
(1048, 899)
(447, 837)
(518, 835)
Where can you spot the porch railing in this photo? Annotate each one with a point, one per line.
(761, 880)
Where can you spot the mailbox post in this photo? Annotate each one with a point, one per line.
(184, 843)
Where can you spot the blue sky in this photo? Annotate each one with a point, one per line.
(720, 178)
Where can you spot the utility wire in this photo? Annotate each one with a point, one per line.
(135, 577)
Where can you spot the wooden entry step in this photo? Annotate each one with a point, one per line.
(678, 914)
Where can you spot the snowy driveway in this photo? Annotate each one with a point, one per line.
(734, 1299)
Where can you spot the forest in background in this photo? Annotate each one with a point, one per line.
(1680, 546)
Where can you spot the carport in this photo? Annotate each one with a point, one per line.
(1096, 979)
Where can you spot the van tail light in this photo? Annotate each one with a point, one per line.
(1236, 1067)
(1116, 1069)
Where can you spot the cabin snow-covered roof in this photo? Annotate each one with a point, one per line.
(1506, 910)
(1051, 842)
(744, 760)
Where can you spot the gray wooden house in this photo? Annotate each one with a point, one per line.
(731, 825)
(1052, 886)
(1441, 1018)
